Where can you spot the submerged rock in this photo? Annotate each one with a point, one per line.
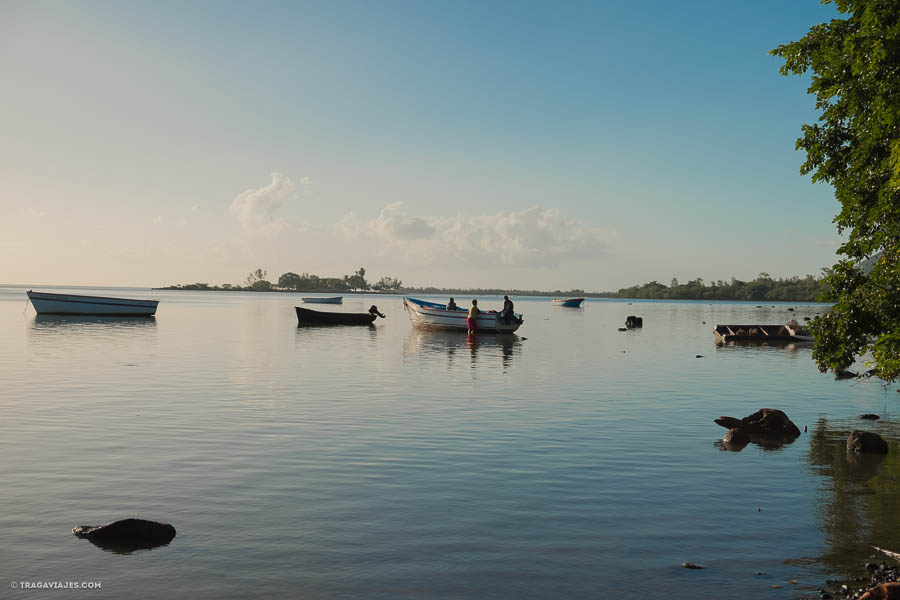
(866, 442)
(884, 591)
(127, 535)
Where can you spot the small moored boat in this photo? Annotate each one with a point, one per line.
(323, 299)
(568, 303)
(307, 316)
(47, 303)
(432, 314)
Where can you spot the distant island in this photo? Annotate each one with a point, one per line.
(764, 287)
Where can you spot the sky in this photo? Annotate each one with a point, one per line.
(528, 145)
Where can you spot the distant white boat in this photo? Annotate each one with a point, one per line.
(432, 314)
(323, 300)
(46, 303)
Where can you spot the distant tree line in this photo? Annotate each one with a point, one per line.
(257, 281)
(764, 287)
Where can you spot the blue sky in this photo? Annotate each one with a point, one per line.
(535, 145)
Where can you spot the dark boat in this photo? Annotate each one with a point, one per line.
(306, 316)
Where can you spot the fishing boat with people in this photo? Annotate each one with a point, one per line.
(568, 302)
(48, 303)
(322, 299)
(432, 314)
(307, 316)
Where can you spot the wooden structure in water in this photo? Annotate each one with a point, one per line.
(761, 333)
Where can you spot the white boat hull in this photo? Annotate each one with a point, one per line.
(440, 318)
(46, 303)
(329, 300)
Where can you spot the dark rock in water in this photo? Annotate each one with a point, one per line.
(698, 356)
(633, 321)
(622, 329)
(869, 416)
(127, 535)
(690, 565)
(735, 440)
(884, 591)
(866, 442)
(703, 322)
(806, 319)
(765, 423)
(790, 310)
(844, 374)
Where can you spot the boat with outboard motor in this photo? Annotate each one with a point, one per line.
(307, 316)
(432, 314)
(568, 302)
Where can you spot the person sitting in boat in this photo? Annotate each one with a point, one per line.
(507, 312)
(451, 305)
(373, 310)
(472, 320)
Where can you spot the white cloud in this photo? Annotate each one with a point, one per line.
(256, 209)
(534, 236)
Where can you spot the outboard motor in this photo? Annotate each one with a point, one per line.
(373, 310)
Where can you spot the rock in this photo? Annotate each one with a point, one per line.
(699, 356)
(622, 329)
(735, 439)
(690, 565)
(127, 535)
(866, 442)
(870, 566)
(869, 416)
(844, 374)
(766, 422)
(884, 591)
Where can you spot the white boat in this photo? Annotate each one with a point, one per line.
(432, 314)
(323, 300)
(46, 303)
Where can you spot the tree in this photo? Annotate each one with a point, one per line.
(257, 280)
(357, 281)
(388, 284)
(290, 281)
(855, 147)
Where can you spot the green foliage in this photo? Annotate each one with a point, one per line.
(388, 284)
(357, 281)
(763, 287)
(854, 64)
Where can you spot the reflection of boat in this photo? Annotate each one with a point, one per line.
(569, 303)
(791, 332)
(46, 303)
(319, 317)
(447, 346)
(432, 314)
(63, 322)
(323, 300)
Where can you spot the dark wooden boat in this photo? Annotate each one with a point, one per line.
(761, 333)
(306, 316)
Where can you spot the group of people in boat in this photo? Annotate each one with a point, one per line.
(506, 313)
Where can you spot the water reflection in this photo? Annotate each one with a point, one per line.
(455, 346)
(859, 501)
(59, 324)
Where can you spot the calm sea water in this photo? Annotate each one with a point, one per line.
(571, 460)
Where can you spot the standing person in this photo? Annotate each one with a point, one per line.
(472, 320)
(451, 305)
(507, 312)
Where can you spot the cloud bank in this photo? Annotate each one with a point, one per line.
(256, 209)
(534, 236)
